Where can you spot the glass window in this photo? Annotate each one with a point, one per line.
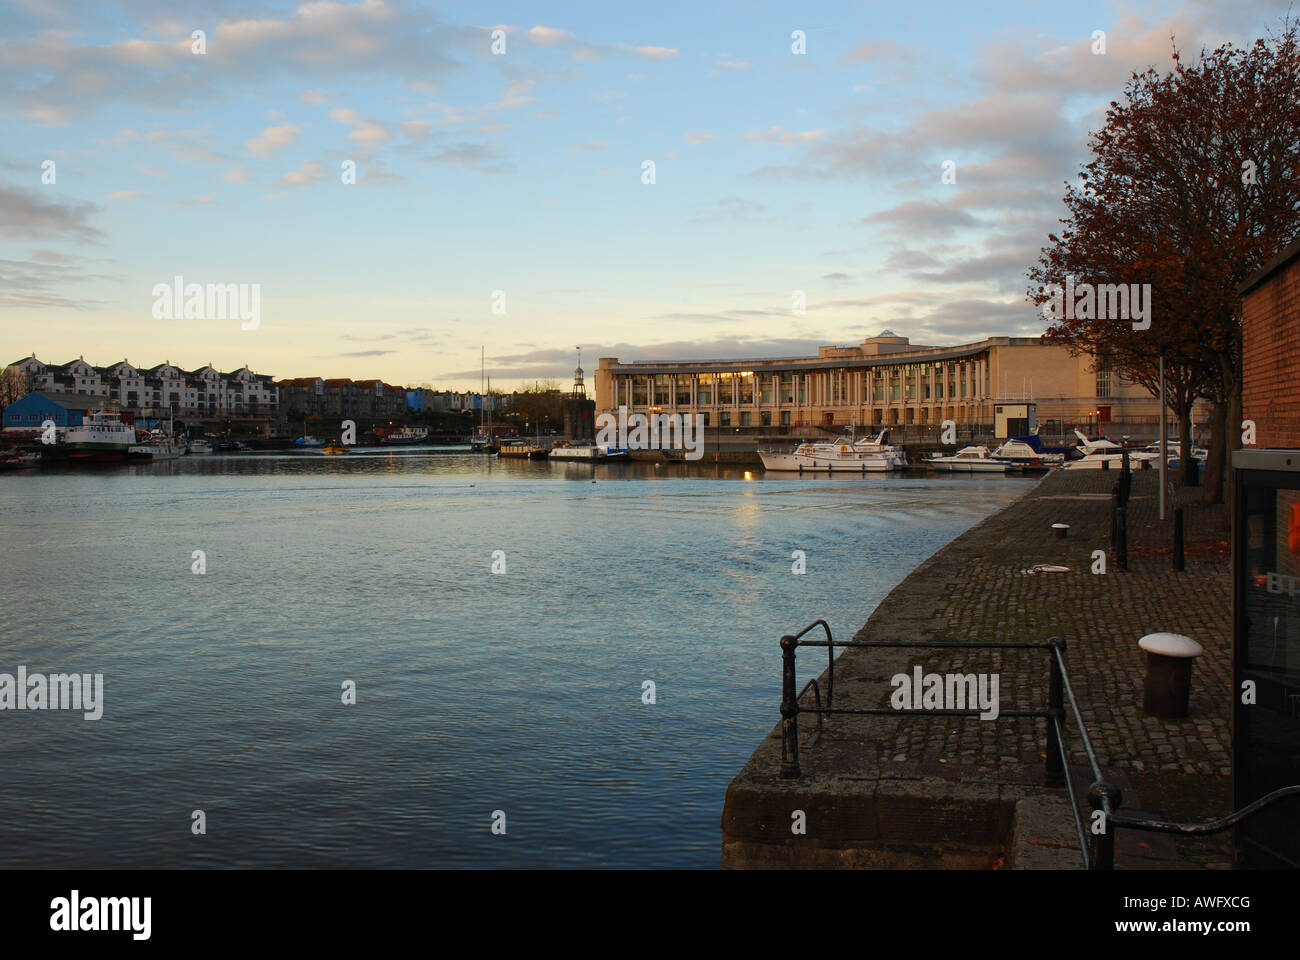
(746, 388)
(785, 418)
(766, 392)
(726, 390)
(704, 388)
(683, 391)
(663, 390)
(640, 391)
(766, 418)
(746, 419)
(724, 418)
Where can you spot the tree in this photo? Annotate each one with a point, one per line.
(1193, 186)
(14, 385)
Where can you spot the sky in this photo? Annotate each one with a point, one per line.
(502, 199)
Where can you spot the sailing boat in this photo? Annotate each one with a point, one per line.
(481, 441)
(306, 440)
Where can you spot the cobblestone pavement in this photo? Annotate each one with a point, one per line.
(982, 587)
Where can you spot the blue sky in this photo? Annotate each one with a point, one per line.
(522, 172)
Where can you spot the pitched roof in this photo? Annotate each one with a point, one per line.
(74, 401)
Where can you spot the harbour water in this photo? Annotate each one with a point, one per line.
(476, 691)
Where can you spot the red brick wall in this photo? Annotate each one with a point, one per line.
(1271, 355)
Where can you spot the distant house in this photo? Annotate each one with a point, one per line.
(65, 409)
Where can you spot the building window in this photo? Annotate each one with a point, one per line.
(706, 418)
(724, 418)
(746, 388)
(785, 418)
(726, 390)
(683, 391)
(1103, 380)
(746, 419)
(663, 390)
(766, 418)
(704, 388)
(787, 387)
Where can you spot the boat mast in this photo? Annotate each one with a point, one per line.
(482, 399)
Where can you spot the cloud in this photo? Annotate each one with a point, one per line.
(923, 217)
(43, 281)
(876, 51)
(365, 133)
(272, 140)
(26, 215)
(698, 137)
(731, 210)
(309, 172)
(550, 36)
(782, 138)
(125, 195)
(732, 64)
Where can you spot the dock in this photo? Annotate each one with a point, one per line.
(900, 791)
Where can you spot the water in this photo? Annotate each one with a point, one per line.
(476, 692)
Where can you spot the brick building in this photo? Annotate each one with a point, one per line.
(1271, 350)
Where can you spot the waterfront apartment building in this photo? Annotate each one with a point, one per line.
(159, 390)
(341, 399)
(887, 381)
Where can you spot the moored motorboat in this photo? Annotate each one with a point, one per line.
(587, 451)
(334, 449)
(970, 459)
(1106, 454)
(199, 447)
(869, 455)
(1027, 453)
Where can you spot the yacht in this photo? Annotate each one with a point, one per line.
(869, 455)
(972, 459)
(1174, 451)
(199, 446)
(1099, 452)
(1027, 453)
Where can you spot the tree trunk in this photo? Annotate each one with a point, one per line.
(1185, 459)
(1233, 431)
(1214, 463)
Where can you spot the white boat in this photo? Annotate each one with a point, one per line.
(1097, 453)
(199, 446)
(869, 455)
(972, 459)
(1175, 452)
(588, 452)
(309, 442)
(99, 436)
(1024, 454)
(159, 446)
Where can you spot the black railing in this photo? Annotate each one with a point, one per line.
(790, 709)
(1103, 796)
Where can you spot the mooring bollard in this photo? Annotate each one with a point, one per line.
(1061, 530)
(1169, 673)
(1178, 539)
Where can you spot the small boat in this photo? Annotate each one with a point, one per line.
(18, 459)
(406, 436)
(334, 449)
(1174, 451)
(1106, 454)
(513, 447)
(308, 442)
(868, 455)
(228, 446)
(971, 459)
(158, 446)
(588, 451)
(199, 447)
(1028, 454)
